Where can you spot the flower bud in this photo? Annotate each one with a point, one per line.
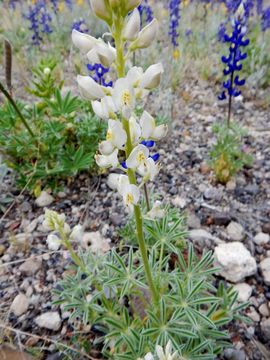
(89, 89)
(103, 54)
(101, 10)
(146, 36)
(152, 76)
(53, 242)
(47, 71)
(132, 27)
(132, 4)
(82, 41)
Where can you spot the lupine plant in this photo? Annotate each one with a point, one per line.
(153, 295)
(226, 156)
(174, 9)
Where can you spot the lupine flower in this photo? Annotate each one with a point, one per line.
(174, 9)
(236, 56)
(265, 21)
(98, 73)
(40, 20)
(53, 241)
(55, 5)
(69, 4)
(161, 354)
(80, 26)
(146, 12)
(221, 32)
(259, 7)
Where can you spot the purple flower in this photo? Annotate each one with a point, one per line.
(174, 9)
(265, 21)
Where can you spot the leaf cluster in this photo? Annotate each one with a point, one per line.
(66, 135)
(227, 156)
(111, 294)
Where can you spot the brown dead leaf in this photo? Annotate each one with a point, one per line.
(8, 353)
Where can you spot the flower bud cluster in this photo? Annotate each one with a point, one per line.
(130, 139)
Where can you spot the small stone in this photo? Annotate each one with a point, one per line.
(179, 202)
(264, 310)
(234, 354)
(212, 194)
(116, 219)
(265, 328)
(30, 267)
(193, 222)
(204, 168)
(265, 268)
(235, 231)
(253, 315)
(49, 320)
(44, 199)
(2, 250)
(61, 194)
(261, 238)
(200, 235)
(221, 219)
(266, 228)
(231, 185)
(235, 261)
(244, 291)
(19, 305)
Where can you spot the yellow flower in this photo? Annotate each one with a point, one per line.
(61, 6)
(80, 2)
(176, 54)
(185, 3)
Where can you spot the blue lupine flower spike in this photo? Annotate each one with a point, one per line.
(233, 61)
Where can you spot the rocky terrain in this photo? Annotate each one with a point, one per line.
(232, 220)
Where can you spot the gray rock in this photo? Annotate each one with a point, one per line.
(44, 199)
(261, 238)
(193, 222)
(265, 268)
(50, 320)
(244, 291)
(235, 261)
(213, 194)
(264, 310)
(30, 267)
(201, 235)
(253, 315)
(179, 201)
(235, 231)
(265, 327)
(19, 305)
(233, 354)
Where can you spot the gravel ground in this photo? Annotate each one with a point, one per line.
(231, 220)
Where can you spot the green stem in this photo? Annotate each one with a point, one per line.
(12, 102)
(120, 66)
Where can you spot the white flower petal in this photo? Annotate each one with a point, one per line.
(83, 41)
(152, 76)
(160, 132)
(113, 181)
(54, 242)
(146, 35)
(104, 161)
(147, 123)
(132, 27)
(106, 147)
(135, 130)
(137, 157)
(100, 9)
(89, 88)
